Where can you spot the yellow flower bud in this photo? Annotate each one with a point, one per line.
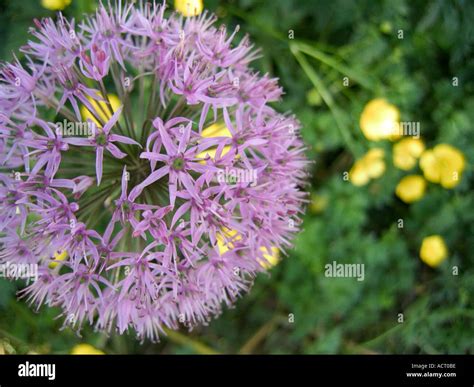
(189, 7)
(86, 349)
(374, 163)
(411, 188)
(370, 166)
(406, 152)
(55, 5)
(444, 164)
(433, 250)
(379, 120)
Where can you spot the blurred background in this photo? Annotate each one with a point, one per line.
(401, 205)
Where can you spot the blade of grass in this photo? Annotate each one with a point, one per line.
(327, 98)
(362, 79)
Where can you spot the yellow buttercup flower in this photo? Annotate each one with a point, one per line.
(433, 250)
(189, 7)
(444, 164)
(86, 349)
(380, 120)
(225, 243)
(58, 256)
(411, 188)
(217, 129)
(370, 166)
(55, 5)
(99, 106)
(406, 152)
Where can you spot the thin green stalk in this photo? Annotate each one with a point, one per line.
(327, 98)
(197, 346)
(362, 79)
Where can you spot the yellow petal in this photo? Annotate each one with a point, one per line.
(86, 349)
(358, 175)
(375, 168)
(433, 250)
(370, 166)
(58, 256)
(99, 105)
(225, 238)
(443, 164)
(416, 146)
(452, 164)
(374, 153)
(449, 179)
(411, 188)
(379, 120)
(55, 5)
(215, 130)
(225, 241)
(188, 7)
(270, 259)
(429, 166)
(403, 161)
(451, 156)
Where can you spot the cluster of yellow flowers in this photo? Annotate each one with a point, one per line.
(377, 121)
(79, 349)
(185, 7)
(444, 164)
(370, 166)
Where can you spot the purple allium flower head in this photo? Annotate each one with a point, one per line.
(156, 212)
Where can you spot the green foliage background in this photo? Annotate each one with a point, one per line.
(332, 39)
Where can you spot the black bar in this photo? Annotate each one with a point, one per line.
(317, 370)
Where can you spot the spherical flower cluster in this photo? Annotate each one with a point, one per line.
(138, 216)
